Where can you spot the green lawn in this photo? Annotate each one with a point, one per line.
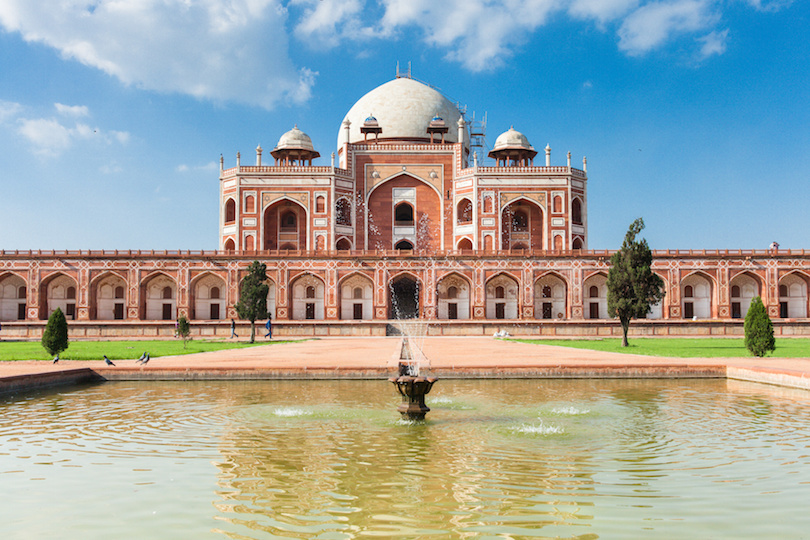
(119, 350)
(681, 347)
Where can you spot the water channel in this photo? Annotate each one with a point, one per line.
(332, 460)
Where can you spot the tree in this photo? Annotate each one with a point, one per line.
(758, 329)
(183, 329)
(632, 286)
(55, 336)
(252, 302)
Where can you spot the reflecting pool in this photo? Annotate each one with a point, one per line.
(332, 460)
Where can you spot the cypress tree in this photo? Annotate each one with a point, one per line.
(183, 329)
(55, 336)
(252, 303)
(759, 329)
(632, 285)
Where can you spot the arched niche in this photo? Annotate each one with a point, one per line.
(502, 297)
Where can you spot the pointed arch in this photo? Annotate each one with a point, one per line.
(594, 295)
(285, 225)
(793, 298)
(405, 295)
(207, 300)
(743, 287)
(699, 303)
(58, 290)
(343, 244)
(551, 296)
(356, 296)
(307, 291)
(105, 302)
(155, 304)
(229, 210)
(522, 225)
(453, 293)
(502, 296)
(13, 296)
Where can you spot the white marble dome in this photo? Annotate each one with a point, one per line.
(403, 108)
(295, 139)
(511, 140)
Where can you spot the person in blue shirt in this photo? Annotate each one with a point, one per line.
(269, 326)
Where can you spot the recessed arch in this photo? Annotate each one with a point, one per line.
(551, 296)
(793, 295)
(743, 287)
(502, 296)
(522, 225)
(105, 302)
(284, 224)
(13, 297)
(307, 292)
(154, 304)
(343, 244)
(453, 293)
(58, 290)
(700, 305)
(594, 292)
(230, 210)
(356, 297)
(464, 244)
(464, 211)
(404, 296)
(576, 211)
(208, 298)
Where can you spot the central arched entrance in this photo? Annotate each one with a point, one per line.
(403, 300)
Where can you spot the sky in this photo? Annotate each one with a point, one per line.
(693, 114)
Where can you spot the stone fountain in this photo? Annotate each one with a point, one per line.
(411, 386)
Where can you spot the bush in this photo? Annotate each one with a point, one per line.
(55, 336)
(183, 329)
(758, 329)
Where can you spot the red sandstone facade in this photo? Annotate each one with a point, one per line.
(403, 222)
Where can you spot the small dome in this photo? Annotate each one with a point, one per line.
(512, 140)
(295, 139)
(371, 121)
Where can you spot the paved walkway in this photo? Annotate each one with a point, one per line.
(382, 353)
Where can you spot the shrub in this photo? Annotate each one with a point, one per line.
(55, 336)
(759, 329)
(183, 329)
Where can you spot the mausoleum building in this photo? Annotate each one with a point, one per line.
(404, 221)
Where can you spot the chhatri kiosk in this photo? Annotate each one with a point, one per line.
(402, 222)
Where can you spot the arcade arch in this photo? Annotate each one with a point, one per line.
(550, 293)
(159, 292)
(502, 297)
(108, 294)
(696, 297)
(594, 293)
(793, 296)
(453, 292)
(209, 293)
(60, 292)
(356, 298)
(307, 298)
(404, 293)
(13, 292)
(742, 289)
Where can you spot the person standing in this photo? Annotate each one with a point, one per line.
(269, 326)
(233, 329)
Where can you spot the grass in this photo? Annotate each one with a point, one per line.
(119, 350)
(681, 347)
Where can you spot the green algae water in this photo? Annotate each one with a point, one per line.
(332, 460)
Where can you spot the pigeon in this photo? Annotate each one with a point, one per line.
(145, 360)
(140, 360)
(108, 361)
(56, 358)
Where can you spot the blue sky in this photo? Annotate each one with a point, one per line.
(694, 114)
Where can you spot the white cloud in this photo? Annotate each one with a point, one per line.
(220, 50)
(713, 43)
(653, 24)
(72, 110)
(51, 136)
(210, 166)
(9, 109)
(601, 10)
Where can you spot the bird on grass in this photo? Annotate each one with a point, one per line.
(56, 358)
(108, 361)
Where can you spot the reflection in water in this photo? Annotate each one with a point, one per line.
(286, 459)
